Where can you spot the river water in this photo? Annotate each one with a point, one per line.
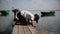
(49, 23)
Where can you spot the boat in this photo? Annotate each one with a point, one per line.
(51, 13)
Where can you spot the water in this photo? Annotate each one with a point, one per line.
(6, 24)
(51, 23)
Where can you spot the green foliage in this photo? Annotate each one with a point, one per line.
(4, 12)
(51, 13)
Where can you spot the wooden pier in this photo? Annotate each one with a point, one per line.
(24, 29)
(28, 29)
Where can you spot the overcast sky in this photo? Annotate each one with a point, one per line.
(31, 4)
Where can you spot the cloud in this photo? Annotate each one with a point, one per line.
(47, 5)
(6, 4)
(32, 4)
(41, 5)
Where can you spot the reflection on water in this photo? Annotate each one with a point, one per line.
(50, 23)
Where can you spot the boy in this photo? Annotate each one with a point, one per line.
(27, 16)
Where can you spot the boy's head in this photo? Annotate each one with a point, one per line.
(36, 18)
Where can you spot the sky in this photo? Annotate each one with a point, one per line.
(31, 4)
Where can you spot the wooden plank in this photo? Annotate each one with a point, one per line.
(15, 29)
(21, 31)
(26, 30)
(33, 30)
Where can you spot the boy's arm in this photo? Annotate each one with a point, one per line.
(17, 17)
(33, 24)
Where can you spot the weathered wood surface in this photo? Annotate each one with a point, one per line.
(24, 29)
(33, 30)
(28, 29)
(15, 29)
